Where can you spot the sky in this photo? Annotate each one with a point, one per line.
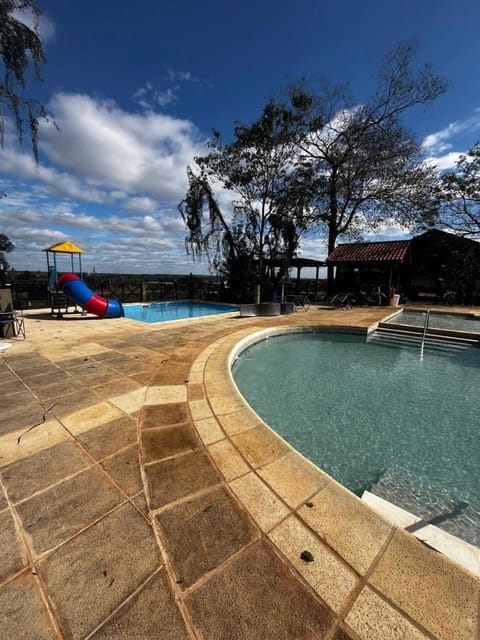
(136, 88)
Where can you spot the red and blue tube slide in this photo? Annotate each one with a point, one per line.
(77, 290)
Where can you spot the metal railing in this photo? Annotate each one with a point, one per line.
(425, 329)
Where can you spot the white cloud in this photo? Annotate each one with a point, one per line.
(150, 97)
(143, 205)
(179, 76)
(21, 165)
(389, 230)
(116, 150)
(110, 181)
(436, 144)
(447, 161)
(119, 243)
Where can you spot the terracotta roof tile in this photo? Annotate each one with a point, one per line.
(392, 251)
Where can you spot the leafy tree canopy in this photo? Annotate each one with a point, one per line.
(266, 213)
(363, 165)
(460, 195)
(20, 50)
(318, 161)
(6, 245)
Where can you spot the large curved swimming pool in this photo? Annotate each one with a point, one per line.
(376, 417)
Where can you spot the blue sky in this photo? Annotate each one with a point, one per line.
(137, 87)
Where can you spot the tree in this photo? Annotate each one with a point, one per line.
(362, 165)
(268, 207)
(20, 50)
(459, 193)
(5, 247)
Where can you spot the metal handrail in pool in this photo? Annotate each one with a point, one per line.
(425, 328)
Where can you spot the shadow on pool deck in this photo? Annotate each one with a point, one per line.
(146, 500)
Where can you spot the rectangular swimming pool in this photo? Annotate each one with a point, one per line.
(469, 323)
(165, 311)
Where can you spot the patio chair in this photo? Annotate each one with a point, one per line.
(342, 300)
(300, 302)
(375, 298)
(59, 303)
(12, 323)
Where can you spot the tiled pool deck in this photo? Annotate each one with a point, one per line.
(148, 501)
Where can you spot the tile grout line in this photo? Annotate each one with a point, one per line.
(33, 569)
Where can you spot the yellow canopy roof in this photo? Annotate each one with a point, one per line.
(64, 247)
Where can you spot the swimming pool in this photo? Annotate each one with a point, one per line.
(376, 417)
(164, 311)
(438, 320)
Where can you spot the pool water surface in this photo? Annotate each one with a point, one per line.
(165, 311)
(376, 417)
(438, 320)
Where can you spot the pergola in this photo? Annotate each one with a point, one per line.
(298, 264)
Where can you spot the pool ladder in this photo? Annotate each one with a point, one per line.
(424, 335)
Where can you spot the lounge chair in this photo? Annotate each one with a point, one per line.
(342, 300)
(300, 302)
(373, 299)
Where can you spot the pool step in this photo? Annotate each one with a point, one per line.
(399, 338)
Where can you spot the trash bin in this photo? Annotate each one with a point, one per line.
(394, 300)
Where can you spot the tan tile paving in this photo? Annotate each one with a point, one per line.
(372, 618)
(20, 418)
(45, 435)
(294, 478)
(228, 497)
(124, 468)
(92, 574)
(253, 597)
(151, 613)
(238, 421)
(209, 430)
(40, 470)
(158, 415)
(168, 394)
(22, 611)
(108, 438)
(131, 401)
(263, 505)
(445, 601)
(347, 524)
(202, 533)
(260, 446)
(54, 515)
(3, 500)
(74, 401)
(91, 417)
(13, 557)
(175, 478)
(330, 578)
(165, 442)
(200, 409)
(228, 460)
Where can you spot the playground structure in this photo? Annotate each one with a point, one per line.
(70, 288)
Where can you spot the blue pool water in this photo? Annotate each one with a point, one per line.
(453, 321)
(163, 311)
(376, 417)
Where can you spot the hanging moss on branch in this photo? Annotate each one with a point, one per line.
(20, 50)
